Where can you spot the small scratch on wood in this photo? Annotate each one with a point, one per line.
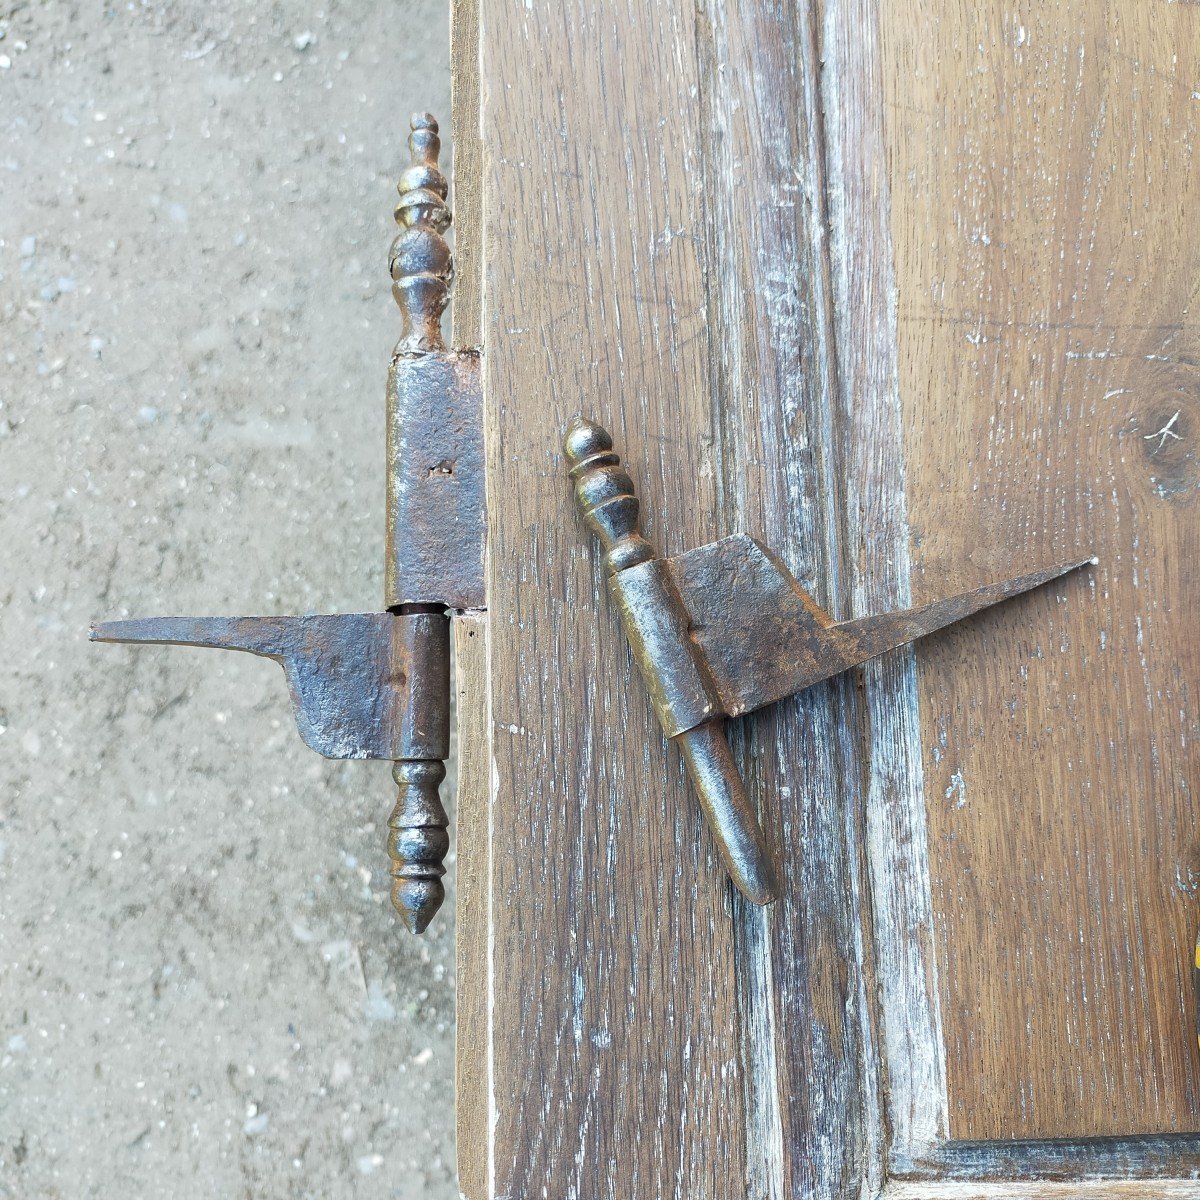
(957, 791)
(1167, 431)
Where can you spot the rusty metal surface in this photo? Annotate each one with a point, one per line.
(435, 504)
(725, 629)
(656, 623)
(377, 685)
(763, 637)
(865, 637)
(360, 683)
(435, 512)
(757, 630)
(418, 842)
(727, 808)
(419, 260)
(669, 660)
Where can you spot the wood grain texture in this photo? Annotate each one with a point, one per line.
(904, 1050)
(615, 1041)
(1077, 1189)
(652, 1034)
(473, 833)
(473, 848)
(773, 379)
(467, 199)
(1042, 171)
(837, 276)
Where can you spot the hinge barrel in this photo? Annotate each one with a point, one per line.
(435, 511)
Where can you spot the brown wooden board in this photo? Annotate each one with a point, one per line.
(1044, 184)
(472, 1099)
(650, 1034)
(822, 271)
(612, 989)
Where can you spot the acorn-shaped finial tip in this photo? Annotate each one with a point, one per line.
(583, 439)
(417, 841)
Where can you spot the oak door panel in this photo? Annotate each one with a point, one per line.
(905, 291)
(1043, 174)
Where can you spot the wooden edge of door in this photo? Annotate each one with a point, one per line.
(471, 926)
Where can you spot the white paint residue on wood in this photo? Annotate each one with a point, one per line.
(957, 791)
(777, 420)
(1167, 431)
(908, 1017)
(735, 370)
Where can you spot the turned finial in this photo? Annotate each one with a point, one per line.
(417, 841)
(605, 495)
(420, 259)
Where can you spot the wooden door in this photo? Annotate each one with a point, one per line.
(905, 290)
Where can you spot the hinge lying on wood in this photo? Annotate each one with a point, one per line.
(377, 685)
(725, 629)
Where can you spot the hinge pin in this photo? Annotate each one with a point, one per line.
(656, 623)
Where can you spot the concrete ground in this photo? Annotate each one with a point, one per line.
(203, 989)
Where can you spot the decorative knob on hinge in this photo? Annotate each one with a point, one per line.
(420, 260)
(418, 841)
(604, 492)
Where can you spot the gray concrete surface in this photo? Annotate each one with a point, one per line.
(203, 990)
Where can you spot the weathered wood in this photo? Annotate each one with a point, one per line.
(761, 247)
(473, 833)
(904, 1052)
(473, 843)
(1039, 169)
(615, 1064)
(1078, 1189)
(467, 178)
(770, 342)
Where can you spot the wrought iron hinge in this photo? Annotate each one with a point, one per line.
(725, 629)
(717, 631)
(377, 685)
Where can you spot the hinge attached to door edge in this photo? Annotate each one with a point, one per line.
(377, 685)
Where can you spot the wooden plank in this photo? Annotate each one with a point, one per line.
(774, 377)
(1086, 1189)
(1158, 1158)
(615, 1064)
(467, 198)
(904, 1051)
(473, 833)
(624, 263)
(473, 844)
(625, 273)
(1039, 167)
